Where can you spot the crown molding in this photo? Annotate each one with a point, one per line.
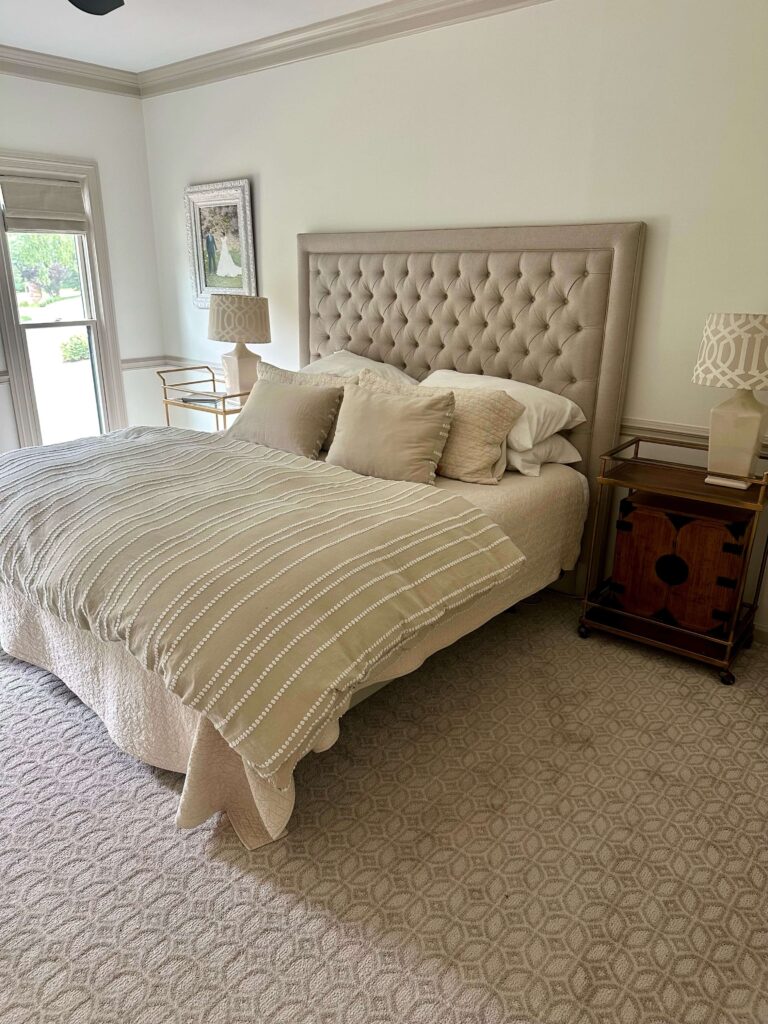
(63, 71)
(346, 32)
(360, 28)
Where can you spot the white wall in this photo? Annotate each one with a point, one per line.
(51, 119)
(573, 110)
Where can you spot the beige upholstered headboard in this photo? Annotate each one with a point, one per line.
(551, 306)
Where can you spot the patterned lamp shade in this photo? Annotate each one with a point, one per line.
(239, 318)
(734, 351)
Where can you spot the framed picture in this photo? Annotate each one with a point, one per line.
(220, 240)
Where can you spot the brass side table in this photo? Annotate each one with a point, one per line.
(211, 397)
(680, 576)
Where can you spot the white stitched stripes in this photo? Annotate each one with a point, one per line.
(259, 584)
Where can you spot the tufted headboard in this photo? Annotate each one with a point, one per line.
(551, 306)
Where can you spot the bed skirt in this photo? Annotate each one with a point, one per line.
(149, 722)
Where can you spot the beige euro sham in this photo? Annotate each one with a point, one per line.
(476, 448)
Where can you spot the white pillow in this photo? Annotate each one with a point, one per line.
(554, 449)
(348, 364)
(545, 412)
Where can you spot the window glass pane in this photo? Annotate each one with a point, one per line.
(63, 378)
(47, 277)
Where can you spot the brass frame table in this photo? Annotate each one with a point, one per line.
(220, 403)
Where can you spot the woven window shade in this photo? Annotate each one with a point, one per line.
(36, 204)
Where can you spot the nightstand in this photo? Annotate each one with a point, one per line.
(682, 556)
(182, 393)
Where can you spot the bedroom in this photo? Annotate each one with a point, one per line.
(531, 826)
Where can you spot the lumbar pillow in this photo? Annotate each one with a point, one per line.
(349, 364)
(288, 417)
(476, 448)
(545, 412)
(395, 437)
(554, 449)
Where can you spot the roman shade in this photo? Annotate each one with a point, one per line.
(42, 204)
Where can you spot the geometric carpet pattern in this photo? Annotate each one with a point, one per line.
(532, 827)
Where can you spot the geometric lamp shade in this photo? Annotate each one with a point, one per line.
(734, 351)
(239, 318)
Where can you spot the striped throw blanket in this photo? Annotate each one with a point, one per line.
(262, 587)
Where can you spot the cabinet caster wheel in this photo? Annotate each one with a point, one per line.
(583, 632)
(727, 678)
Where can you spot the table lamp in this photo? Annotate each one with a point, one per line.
(734, 354)
(241, 320)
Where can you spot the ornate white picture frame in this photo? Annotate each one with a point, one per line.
(220, 245)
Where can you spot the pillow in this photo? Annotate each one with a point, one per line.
(349, 364)
(476, 448)
(394, 437)
(288, 417)
(554, 449)
(278, 375)
(315, 378)
(545, 412)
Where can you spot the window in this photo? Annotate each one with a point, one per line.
(56, 322)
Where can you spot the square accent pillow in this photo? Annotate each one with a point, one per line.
(546, 413)
(288, 417)
(314, 378)
(476, 449)
(391, 436)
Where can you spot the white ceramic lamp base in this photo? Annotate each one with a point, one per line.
(735, 431)
(240, 369)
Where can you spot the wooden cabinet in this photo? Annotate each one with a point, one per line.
(681, 560)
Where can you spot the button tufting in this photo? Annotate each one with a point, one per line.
(579, 328)
(551, 273)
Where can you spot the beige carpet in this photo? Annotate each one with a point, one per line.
(533, 827)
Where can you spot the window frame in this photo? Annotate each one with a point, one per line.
(100, 298)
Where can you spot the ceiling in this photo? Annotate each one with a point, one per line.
(149, 33)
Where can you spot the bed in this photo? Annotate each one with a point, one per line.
(572, 291)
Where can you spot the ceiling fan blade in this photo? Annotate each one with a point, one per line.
(97, 6)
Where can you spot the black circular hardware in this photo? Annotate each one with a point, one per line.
(672, 570)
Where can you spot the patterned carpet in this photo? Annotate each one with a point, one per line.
(533, 827)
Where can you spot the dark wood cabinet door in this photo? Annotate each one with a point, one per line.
(642, 537)
(678, 565)
(707, 602)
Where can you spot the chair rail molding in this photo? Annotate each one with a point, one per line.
(389, 20)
